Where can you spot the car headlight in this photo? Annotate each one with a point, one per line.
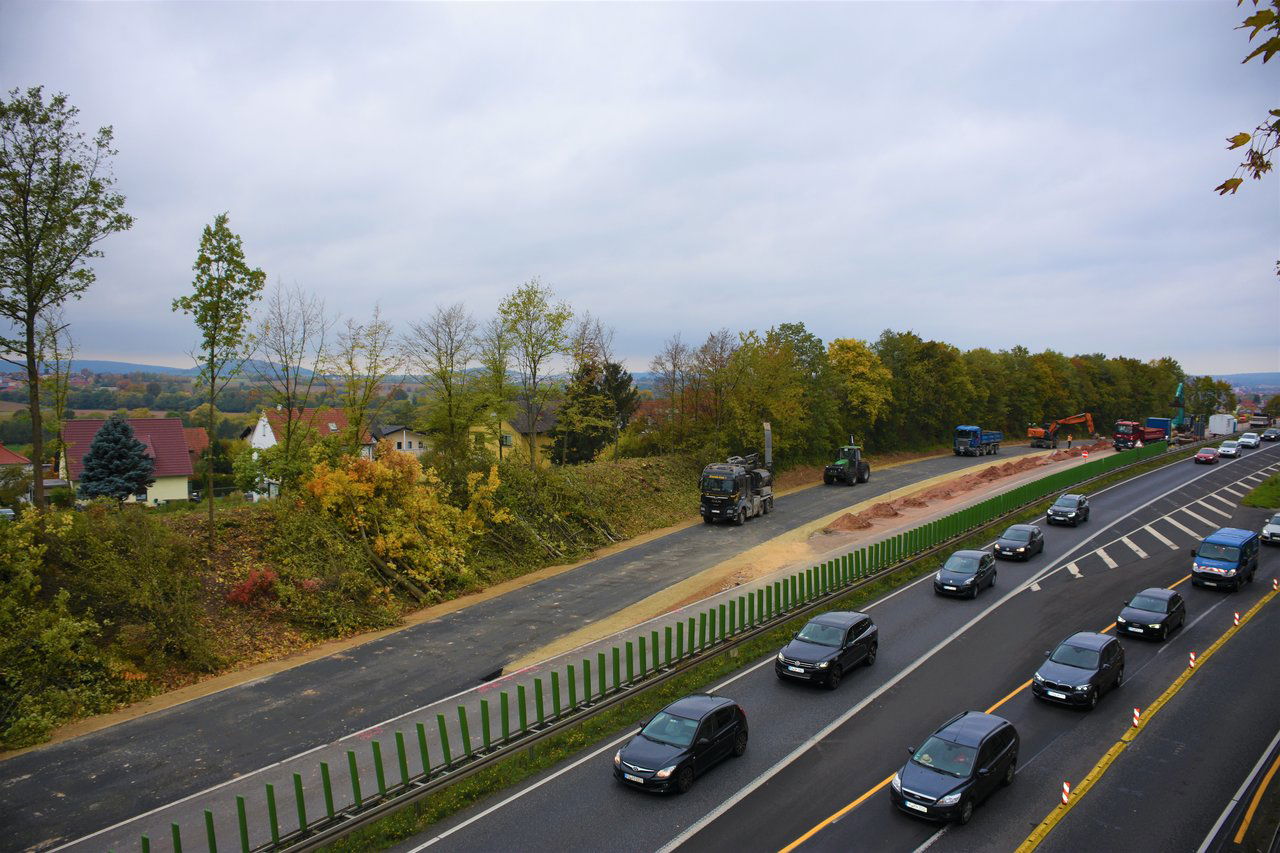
(1081, 688)
(665, 772)
(617, 758)
(938, 577)
(967, 581)
(1229, 572)
(1038, 677)
(1071, 515)
(780, 657)
(1020, 550)
(896, 782)
(1157, 625)
(951, 799)
(1195, 567)
(824, 664)
(1120, 620)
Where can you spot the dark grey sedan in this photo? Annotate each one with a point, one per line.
(1019, 542)
(1154, 613)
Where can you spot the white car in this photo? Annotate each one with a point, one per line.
(1250, 439)
(1229, 448)
(1271, 530)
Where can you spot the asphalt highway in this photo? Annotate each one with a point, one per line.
(67, 790)
(816, 754)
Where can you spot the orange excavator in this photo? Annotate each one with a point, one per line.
(1046, 435)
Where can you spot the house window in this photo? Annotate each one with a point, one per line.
(398, 447)
(507, 439)
(333, 427)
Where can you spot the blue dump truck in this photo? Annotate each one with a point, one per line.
(976, 441)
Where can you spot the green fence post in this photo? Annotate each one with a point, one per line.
(690, 634)
(586, 681)
(504, 713)
(377, 769)
(485, 737)
(243, 821)
(573, 687)
(631, 662)
(327, 785)
(617, 670)
(722, 623)
(680, 640)
(145, 843)
(702, 632)
(209, 833)
(603, 678)
(710, 624)
(523, 708)
(537, 702)
(444, 741)
(653, 647)
(302, 803)
(272, 818)
(422, 752)
(402, 758)
(176, 834)
(666, 644)
(644, 658)
(555, 695)
(243, 824)
(355, 779)
(733, 617)
(770, 597)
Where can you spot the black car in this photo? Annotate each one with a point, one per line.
(1271, 435)
(957, 767)
(828, 647)
(1080, 669)
(1068, 509)
(681, 742)
(1154, 612)
(1020, 542)
(964, 573)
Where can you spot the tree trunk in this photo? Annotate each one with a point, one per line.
(208, 472)
(37, 424)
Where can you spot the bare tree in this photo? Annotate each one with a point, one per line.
(292, 335)
(672, 364)
(57, 351)
(714, 364)
(441, 350)
(359, 369)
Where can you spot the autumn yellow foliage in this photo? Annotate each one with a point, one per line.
(399, 514)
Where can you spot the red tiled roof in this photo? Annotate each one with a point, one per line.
(324, 420)
(163, 437)
(8, 457)
(197, 439)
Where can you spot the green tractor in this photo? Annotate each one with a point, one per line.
(849, 467)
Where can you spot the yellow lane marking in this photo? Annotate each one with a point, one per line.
(1060, 811)
(1014, 692)
(1183, 580)
(1257, 798)
(835, 817)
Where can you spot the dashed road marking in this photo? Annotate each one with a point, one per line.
(1106, 558)
(1035, 587)
(1074, 569)
(1252, 478)
(1226, 501)
(1199, 518)
(1235, 492)
(1182, 527)
(1157, 534)
(1142, 555)
(1212, 508)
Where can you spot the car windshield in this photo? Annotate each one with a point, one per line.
(1250, 435)
(1208, 451)
(1275, 519)
(950, 758)
(1017, 534)
(670, 729)
(720, 485)
(1075, 656)
(1124, 429)
(1228, 444)
(1148, 602)
(823, 635)
(1218, 552)
(961, 564)
(1066, 502)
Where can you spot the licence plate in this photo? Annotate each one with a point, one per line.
(952, 588)
(1135, 630)
(1208, 583)
(1056, 695)
(915, 806)
(631, 778)
(795, 669)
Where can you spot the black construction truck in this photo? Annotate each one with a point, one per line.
(849, 467)
(735, 490)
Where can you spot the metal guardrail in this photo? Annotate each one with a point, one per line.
(719, 629)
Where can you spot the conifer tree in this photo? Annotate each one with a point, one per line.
(117, 464)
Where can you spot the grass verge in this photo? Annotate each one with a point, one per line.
(542, 756)
(1266, 495)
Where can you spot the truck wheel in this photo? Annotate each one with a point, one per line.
(770, 509)
(865, 475)
(826, 481)
(740, 518)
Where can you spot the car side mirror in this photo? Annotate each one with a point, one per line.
(1193, 551)
(703, 741)
(1046, 654)
(984, 771)
(911, 750)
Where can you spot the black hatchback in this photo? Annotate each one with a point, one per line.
(958, 767)
(1080, 669)
(681, 742)
(1153, 613)
(828, 647)
(1020, 542)
(964, 573)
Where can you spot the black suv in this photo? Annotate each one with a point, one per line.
(829, 646)
(1154, 613)
(681, 742)
(1080, 669)
(957, 767)
(1068, 509)
(964, 573)
(1020, 542)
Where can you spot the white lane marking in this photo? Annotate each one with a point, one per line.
(1106, 558)
(1182, 527)
(1252, 478)
(1142, 555)
(1230, 503)
(1213, 508)
(1239, 795)
(1035, 587)
(1200, 518)
(1235, 492)
(932, 839)
(1157, 534)
(1074, 569)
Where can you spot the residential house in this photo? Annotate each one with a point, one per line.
(402, 438)
(322, 422)
(197, 442)
(514, 436)
(165, 443)
(9, 459)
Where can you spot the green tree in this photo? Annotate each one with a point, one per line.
(441, 349)
(617, 385)
(57, 203)
(1208, 396)
(116, 464)
(1272, 406)
(861, 382)
(57, 351)
(494, 344)
(539, 332)
(359, 369)
(224, 289)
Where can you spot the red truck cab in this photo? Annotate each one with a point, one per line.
(1128, 433)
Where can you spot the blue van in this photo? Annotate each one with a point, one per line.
(1228, 558)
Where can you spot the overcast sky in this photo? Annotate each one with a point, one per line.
(987, 174)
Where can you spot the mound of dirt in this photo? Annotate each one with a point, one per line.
(883, 510)
(911, 502)
(847, 522)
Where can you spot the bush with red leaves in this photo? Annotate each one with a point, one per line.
(258, 586)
